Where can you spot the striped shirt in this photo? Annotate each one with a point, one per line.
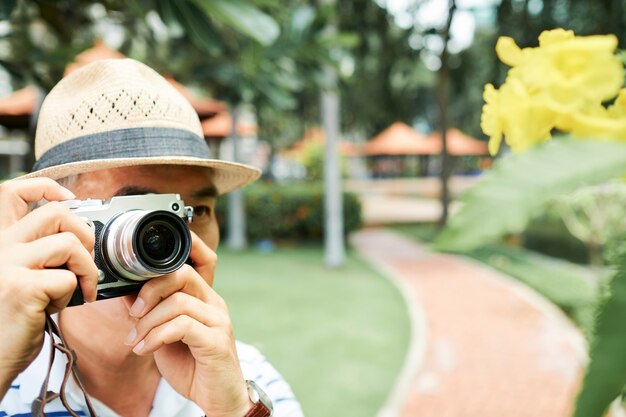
(167, 402)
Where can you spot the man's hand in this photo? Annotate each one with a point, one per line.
(43, 255)
(186, 325)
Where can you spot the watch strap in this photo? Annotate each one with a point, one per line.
(259, 410)
(262, 403)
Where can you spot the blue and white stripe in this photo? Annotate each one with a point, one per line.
(167, 402)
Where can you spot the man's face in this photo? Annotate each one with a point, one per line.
(192, 183)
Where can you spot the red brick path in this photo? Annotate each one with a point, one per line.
(493, 348)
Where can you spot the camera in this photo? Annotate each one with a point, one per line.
(138, 237)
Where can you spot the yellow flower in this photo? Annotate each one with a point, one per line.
(555, 85)
(569, 72)
(600, 122)
(514, 113)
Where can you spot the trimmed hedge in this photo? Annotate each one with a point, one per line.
(288, 212)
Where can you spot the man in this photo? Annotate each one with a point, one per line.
(116, 128)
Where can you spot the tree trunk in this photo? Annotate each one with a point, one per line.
(442, 100)
(334, 250)
(236, 211)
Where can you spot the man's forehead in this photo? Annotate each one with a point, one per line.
(202, 192)
(194, 182)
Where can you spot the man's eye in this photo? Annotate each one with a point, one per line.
(201, 211)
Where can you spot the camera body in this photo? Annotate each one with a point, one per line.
(138, 237)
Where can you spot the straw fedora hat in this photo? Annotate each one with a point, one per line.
(117, 113)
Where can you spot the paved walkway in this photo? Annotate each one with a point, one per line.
(483, 345)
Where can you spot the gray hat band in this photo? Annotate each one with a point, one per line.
(141, 142)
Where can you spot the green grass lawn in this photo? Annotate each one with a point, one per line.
(338, 336)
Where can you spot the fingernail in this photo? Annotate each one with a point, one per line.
(137, 307)
(139, 347)
(131, 337)
(67, 193)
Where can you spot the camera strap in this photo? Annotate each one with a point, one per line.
(46, 396)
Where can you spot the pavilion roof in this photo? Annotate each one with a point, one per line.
(316, 135)
(458, 143)
(16, 108)
(97, 52)
(400, 139)
(221, 126)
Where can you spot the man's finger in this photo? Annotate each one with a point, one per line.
(179, 304)
(186, 280)
(50, 219)
(204, 259)
(181, 329)
(58, 285)
(15, 196)
(63, 250)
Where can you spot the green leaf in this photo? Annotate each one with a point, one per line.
(198, 27)
(606, 373)
(169, 16)
(6, 8)
(510, 193)
(302, 19)
(242, 16)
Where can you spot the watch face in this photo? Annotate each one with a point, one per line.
(252, 392)
(258, 395)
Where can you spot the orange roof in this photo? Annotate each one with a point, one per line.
(317, 135)
(221, 126)
(458, 143)
(16, 108)
(399, 139)
(20, 102)
(98, 52)
(205, 107)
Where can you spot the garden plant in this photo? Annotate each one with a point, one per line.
(562, 113)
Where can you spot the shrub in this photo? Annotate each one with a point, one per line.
(290, 212)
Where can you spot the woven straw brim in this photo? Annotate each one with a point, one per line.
(226, 176)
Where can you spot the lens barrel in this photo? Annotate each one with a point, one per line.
(141, 244)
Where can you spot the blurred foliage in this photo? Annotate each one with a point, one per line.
(311, 155)
(235, 51)
(42, 36)
(595, 215)
(546, 233)
(389, 82)
(289, 212)
(606, 374)
(517, 187)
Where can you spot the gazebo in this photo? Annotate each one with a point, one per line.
(317, 136)
(397, 149)
(16, 109)
(220, 127)
(399, 139)
(458, 143)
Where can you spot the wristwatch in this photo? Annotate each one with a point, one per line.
(262, 404)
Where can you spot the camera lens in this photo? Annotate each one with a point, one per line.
(140, 244)
(159, 243)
